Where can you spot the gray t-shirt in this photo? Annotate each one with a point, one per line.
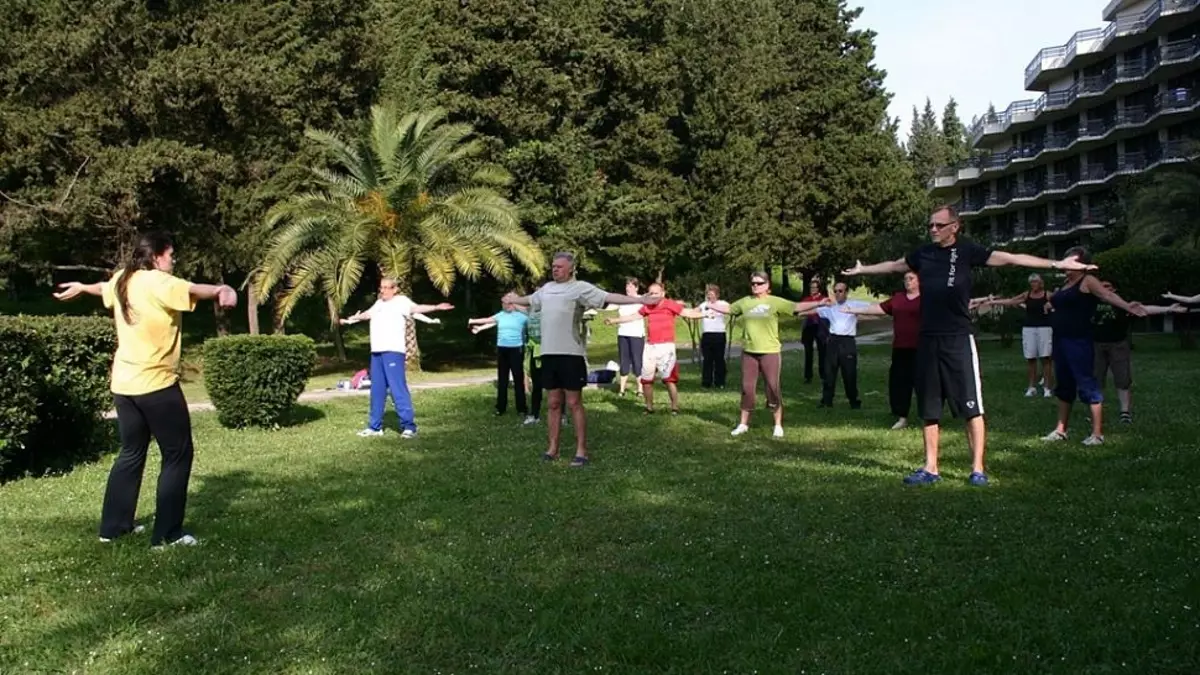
(562, 306)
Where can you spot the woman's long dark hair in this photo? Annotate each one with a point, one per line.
(149, 247)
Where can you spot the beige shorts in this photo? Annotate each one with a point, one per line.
(659, 360)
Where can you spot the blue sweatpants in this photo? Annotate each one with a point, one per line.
(387, 375)
(1075, 370)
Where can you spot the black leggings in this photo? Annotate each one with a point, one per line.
(510, 360)
(712, 351)
(902, 377)
(164, 415)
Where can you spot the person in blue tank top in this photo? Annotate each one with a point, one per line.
(510, 355)
(1073, 308)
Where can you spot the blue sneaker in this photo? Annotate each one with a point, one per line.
(921, 477)
(978, 479)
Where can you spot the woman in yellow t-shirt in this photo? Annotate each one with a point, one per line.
(147, 303)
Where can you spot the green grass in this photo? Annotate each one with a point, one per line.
(680, 550)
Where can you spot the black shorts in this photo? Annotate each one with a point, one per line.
(563, 371)
(948, 372)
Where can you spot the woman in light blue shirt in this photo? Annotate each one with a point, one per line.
(510, 355)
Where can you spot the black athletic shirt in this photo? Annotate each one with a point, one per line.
(1036, 315)
(945, 275)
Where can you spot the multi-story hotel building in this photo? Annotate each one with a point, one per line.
(1118, 100)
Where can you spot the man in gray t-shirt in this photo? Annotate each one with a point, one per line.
(562, 303)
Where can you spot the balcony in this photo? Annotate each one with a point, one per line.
(1096, 40)
(1091, 174)
(1020, 112)
(1132, 117)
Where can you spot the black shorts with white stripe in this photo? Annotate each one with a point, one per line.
(948, 372)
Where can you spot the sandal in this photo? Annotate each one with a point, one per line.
(578, 461)
(547, 457)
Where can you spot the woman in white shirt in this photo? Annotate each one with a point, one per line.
(631, 336)
(712, 338)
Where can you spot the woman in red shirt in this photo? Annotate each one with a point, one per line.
(905, 309)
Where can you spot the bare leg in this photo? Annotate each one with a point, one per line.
(745, 418)
(977, 439)
(554, 421)
(579, 417)
(673, 393)
(621, 389)
(777, 413)
(1064, 416)
(1048, 372)
(648, 394)
(1097, 419)
(1125, 396)
(932, 434)
(1031, 369)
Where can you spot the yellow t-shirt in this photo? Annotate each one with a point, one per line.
(147, 357)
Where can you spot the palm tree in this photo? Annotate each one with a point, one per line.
(1165, 209)
(402, 199)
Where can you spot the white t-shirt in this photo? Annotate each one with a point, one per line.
(635, 329)
(388, 322)
(713, 322)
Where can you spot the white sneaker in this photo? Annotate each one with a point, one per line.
(530, 419)
(185, 540)
(900, 424)
(1048, 393)
(137, 529)
(564, 422)
(1094, 440)
(408, 433)
(1055, 435)
(739, 430)
(370, 433)
(778, 433)
(1031, 392)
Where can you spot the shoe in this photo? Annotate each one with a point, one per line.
(370, 433)
(921, 477)
(408, 433)
(674, 412)
(563, 422)
(1047, 393)
(530, 419)
(547, 457)
(1031, 392)
(578, 462)
(778, 433)
(1126, 418)
(1055, 435)
(857, 405)
(823, 404)
(901, 423)
(137, 529)
(497, 413)
(1094, 440)
(977, 479)
(185, 540)
(739, 430)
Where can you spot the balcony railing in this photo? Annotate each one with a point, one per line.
(1093, 85)
(1097, 172)
(1163, 103)
(1052, 58)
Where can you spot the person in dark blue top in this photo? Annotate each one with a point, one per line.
(1073, 310)
(947, 361)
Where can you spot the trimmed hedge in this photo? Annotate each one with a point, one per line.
(1144, 273)
(254, 380)
(54, 375)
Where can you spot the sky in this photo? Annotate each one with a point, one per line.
(973, 50)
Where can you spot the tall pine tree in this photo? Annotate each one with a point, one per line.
(954, 135)
(927, 151)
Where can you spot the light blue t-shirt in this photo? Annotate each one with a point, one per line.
(510, 328)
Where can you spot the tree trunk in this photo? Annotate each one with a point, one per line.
(251, 308)
(339, 345)
(278, 324)
(412, 349)
(220, 316)
(467, 297)
(783, 281)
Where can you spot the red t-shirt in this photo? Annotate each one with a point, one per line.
(814, 297)
(907, 315)
(660, 321)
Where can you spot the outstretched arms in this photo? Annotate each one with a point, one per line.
(1182, 298)
(1068, 264)
(891, 267)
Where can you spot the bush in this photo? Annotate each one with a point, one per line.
(253, 380)
(54, 372)
(1144, 273)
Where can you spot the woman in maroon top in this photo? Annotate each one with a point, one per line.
(905, 309)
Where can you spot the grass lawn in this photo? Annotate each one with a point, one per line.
(679, 550)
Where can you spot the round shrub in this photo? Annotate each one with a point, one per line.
(54, 372)
(254, 380)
